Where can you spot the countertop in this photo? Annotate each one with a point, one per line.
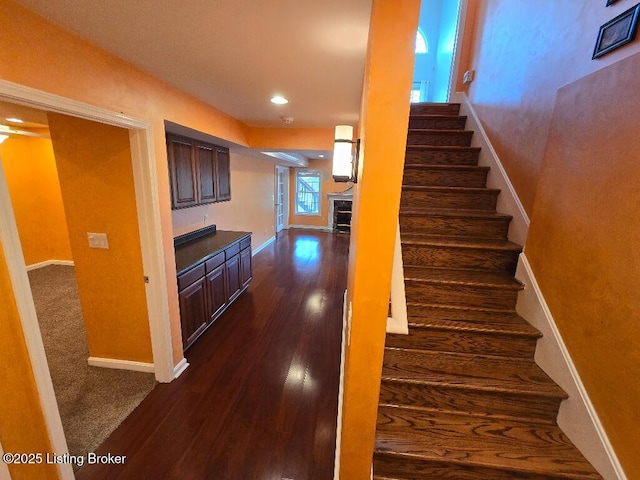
(200, 249)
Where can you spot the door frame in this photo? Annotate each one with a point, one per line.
(153, 260)
(285, 207)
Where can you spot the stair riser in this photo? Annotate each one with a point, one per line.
(441, 157)
(455, 227)
(453, 139)
(444, 109)
(439, 178)
(483, 200)
(460, 296)
(459, 258)
(436, 123)
(540, 409)
(414, 469)
(464, 342)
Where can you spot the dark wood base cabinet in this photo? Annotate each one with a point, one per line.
(209, 287)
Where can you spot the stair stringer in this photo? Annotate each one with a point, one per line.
(577, 416)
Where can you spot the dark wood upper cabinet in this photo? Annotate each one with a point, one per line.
(200, 172)
(224, 174)
(182, 172)
(206, 155)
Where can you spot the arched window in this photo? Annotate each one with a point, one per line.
(421, 43)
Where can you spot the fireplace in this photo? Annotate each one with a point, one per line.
(340, 211)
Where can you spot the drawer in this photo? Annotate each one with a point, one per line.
(232, 250)
(214, 262)
(245, 242)
(187, 278)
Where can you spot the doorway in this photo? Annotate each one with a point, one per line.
(282, 198)
(150, 238)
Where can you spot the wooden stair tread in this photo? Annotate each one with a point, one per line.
(460, 242)
(495, 443)
(443, 148)
(440, 131)
(423, 188)
(514, 329)
(462, 277)
(452, 213)
(488, 373)
(446, 168)
(438, 116)
(480, 320)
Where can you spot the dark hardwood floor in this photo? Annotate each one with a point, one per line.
(260, 398)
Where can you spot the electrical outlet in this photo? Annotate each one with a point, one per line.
(98, 240)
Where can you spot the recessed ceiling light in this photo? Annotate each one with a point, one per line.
(14, 120)
(320, 156)
(279, 100)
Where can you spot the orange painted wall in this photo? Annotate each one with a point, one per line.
(22, 427)
(584, 238)
(523, 52)
(291, 138)
(327, 186)
(251, 207)
(32, 177)
(96, 179)
(385, 112)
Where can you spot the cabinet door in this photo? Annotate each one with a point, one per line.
(182, 170)
(216, 292)
(245, 266)
(193, 313)
(206, 156)
(234, 280)
(223, 174)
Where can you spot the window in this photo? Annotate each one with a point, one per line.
(421, 42)
(307, 192)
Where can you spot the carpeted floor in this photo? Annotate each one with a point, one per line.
(93, 401)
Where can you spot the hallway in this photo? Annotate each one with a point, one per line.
(259, 400)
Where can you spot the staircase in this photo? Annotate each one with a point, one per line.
(461, 396)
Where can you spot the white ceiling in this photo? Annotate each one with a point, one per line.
(236, 54)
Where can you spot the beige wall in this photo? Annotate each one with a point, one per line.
(250, 209)
(523, 52)
(327, 186)
(584, 238)
(32, 177)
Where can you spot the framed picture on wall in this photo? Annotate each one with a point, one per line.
(617, 32)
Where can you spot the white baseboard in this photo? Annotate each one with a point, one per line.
(121, 364)
(508, 201)
(336, 465)
(311, 227)
(179, 368)
(46, 263)
(263, 246)
(577, 417)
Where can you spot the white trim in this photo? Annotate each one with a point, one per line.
(145, 177)
(311, 227)
(577, 416)
(121, 364)
(263, 246)
(24, 301)
(508, 201)
(46, 263)
(180, 367)
(4, 468)
(343, 353)
(457, 50)
(147, 202)
(398, 321)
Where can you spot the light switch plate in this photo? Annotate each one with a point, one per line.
(98, 240)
